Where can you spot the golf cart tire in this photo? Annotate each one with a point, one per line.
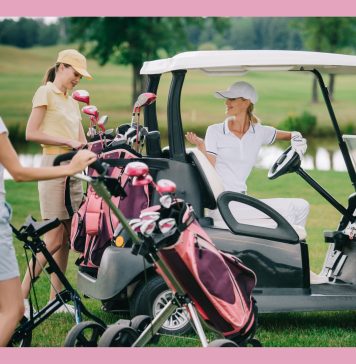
(143, 298)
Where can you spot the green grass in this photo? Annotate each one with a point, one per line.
(319, 329)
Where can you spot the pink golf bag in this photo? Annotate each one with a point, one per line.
(93, 225)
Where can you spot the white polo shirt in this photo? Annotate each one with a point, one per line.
(3, 129)
(235, 157)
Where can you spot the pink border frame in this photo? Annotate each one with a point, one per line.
(186, 8)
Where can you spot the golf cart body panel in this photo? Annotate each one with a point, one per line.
(281, 265)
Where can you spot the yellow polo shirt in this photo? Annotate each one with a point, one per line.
(62, 117)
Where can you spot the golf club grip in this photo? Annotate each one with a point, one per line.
(64, 157)
(68, 156)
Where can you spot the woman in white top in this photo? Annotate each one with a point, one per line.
(232, 148)
(11, 299)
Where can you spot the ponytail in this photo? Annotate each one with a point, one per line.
(50, 74)
(254, 119)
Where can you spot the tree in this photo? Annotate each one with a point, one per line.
(132, 41)
(327, 35)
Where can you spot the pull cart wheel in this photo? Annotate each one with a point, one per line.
(140, 322)
(151, 297)
(222, 343)
(118, 336)
(84, 334)
(22, 340)
(254, 343)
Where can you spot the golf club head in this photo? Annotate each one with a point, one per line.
(142, 180)
(166, 186)
(150, 215)
(130, 133)
(136, 169)
(91, 132)
(91, 110)
(122, 129)
(166, 225)
(136, 227)
(147, 227)
(102, 121)
(144, 99)
(166, 201)
(81, 96)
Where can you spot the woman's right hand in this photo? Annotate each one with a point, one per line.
(194, 139)
(81, 160)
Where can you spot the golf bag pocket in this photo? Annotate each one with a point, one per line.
(77, 236)
(219, 285)
(94, 215)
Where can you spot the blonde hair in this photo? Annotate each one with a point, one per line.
(254, 119)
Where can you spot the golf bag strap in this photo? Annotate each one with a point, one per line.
(67, 199)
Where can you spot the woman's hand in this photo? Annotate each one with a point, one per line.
(75, 144)
(194, 139)
(81, 160)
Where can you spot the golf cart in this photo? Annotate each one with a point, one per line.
(279, 256)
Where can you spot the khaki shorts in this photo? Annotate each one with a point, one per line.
(52, 192)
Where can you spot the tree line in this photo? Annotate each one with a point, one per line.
(133, 40)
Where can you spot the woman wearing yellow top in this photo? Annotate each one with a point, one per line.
(55, 123)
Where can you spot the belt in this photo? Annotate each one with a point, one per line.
(54, 150)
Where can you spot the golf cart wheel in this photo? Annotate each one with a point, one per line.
(118, 336)
(22, 340)
(222, 343)
(150, 298)
(84, 334)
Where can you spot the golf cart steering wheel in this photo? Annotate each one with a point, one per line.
(288, 162)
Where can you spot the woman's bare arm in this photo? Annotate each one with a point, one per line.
(10, 160)
(34, 133)
(199, 142)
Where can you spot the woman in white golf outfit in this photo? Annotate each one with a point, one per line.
(232, 148)
(11, 299)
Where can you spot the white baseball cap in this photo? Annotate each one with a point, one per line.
(238, 89)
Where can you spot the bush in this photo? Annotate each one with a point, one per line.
(304, 123)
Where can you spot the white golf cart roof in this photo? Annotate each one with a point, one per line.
(234, 62)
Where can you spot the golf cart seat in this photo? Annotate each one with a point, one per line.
(215, 188)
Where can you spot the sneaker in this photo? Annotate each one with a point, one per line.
(26, 303)
(65, 309)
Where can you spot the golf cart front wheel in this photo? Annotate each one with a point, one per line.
(84, 334)
(118, 336)
(151, 297)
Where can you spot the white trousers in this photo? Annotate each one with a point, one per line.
(294, 210)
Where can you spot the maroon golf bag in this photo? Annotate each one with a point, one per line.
(219, 284)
